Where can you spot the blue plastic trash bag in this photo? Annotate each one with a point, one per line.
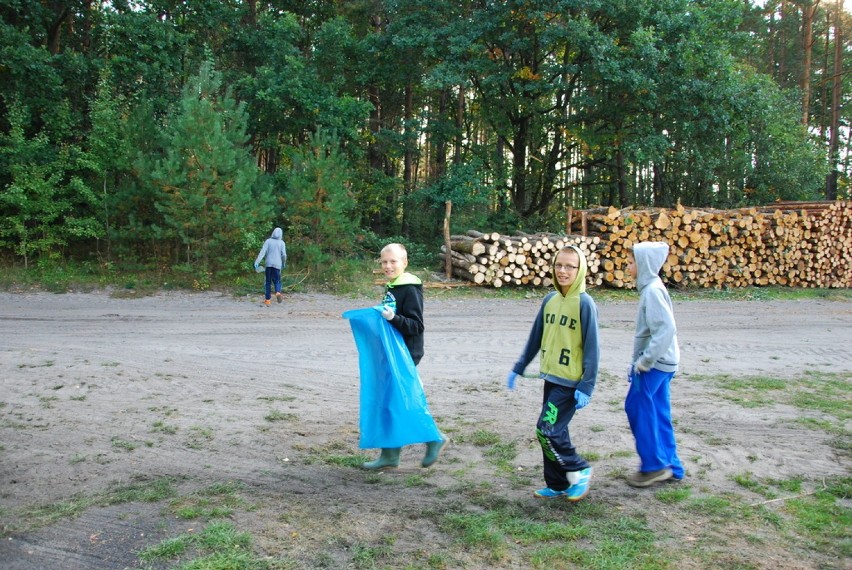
(394, 411)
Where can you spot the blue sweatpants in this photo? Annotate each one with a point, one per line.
(559, 455)
(273, 280)
(649, 412)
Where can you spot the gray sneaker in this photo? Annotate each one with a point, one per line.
(648, 478)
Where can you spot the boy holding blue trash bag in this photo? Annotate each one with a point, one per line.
(389, 336)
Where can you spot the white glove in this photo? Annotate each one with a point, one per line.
(639, 368)
(630, 374)
(388, 313)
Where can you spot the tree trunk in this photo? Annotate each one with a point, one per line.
(619, 172)
(54, 30)
(834, 159)
(808, 12)
(457, 154)
(408, 157)
(519, 167)
(440, 142)
(448, 266)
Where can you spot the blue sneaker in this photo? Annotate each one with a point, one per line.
(581, 488)
(548, 493)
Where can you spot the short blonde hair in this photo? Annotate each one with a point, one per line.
(396, 248)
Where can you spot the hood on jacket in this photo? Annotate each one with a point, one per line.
(579, 284)
(277, 233)
(649, 257)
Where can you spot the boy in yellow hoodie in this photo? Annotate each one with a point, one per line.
(565, 332)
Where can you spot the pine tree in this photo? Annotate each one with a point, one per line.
(320, 209)
(211, 193)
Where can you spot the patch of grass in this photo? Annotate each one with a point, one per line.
(198, 436)
(713, 507)
(218, 546)
(626, 543)
(368, 557)
(166, 411)
(760, 294)
(162, 427)
(824, 520)
(673, 494)
(483, 438)
(352, 461)
(415, 481)
(44, 515)
(747, 481)
(276, 398)
(828, 393)
(751, 392)
(47, 401)
(562, 535)
(502, 454)
(140, 490)
(77, 459)
(169, 548)
(218, 500)
(827, 426)
(46, 364)
(476, 531)
(119, 443)
(278, 416)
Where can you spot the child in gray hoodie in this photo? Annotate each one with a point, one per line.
(275, 252)
(655, 361)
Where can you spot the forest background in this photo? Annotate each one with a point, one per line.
(167, 138)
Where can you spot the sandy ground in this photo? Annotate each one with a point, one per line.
(85, 379)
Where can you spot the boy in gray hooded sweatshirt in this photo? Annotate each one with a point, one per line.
(655, 361)
(275, 252)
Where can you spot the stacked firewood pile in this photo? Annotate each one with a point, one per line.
(519, 259)
(794, 244)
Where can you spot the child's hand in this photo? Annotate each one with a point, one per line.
(511, 379)
(640, 368)
(630, 374)
(582, 399)
(388, 313)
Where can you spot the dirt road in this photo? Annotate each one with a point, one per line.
(96, 390)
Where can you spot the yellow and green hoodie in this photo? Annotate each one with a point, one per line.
(565, 336)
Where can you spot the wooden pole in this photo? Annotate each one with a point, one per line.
(448, 266)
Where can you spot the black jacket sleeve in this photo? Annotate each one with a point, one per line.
(408, 319)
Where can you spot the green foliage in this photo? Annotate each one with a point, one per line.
(46, 204)
(208, 188)
(371, 116)
(318, 205)
(420, 256)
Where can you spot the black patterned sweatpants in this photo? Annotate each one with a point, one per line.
(560, 456)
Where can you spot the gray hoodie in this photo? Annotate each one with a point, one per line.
(655, 339)
(274, 251)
